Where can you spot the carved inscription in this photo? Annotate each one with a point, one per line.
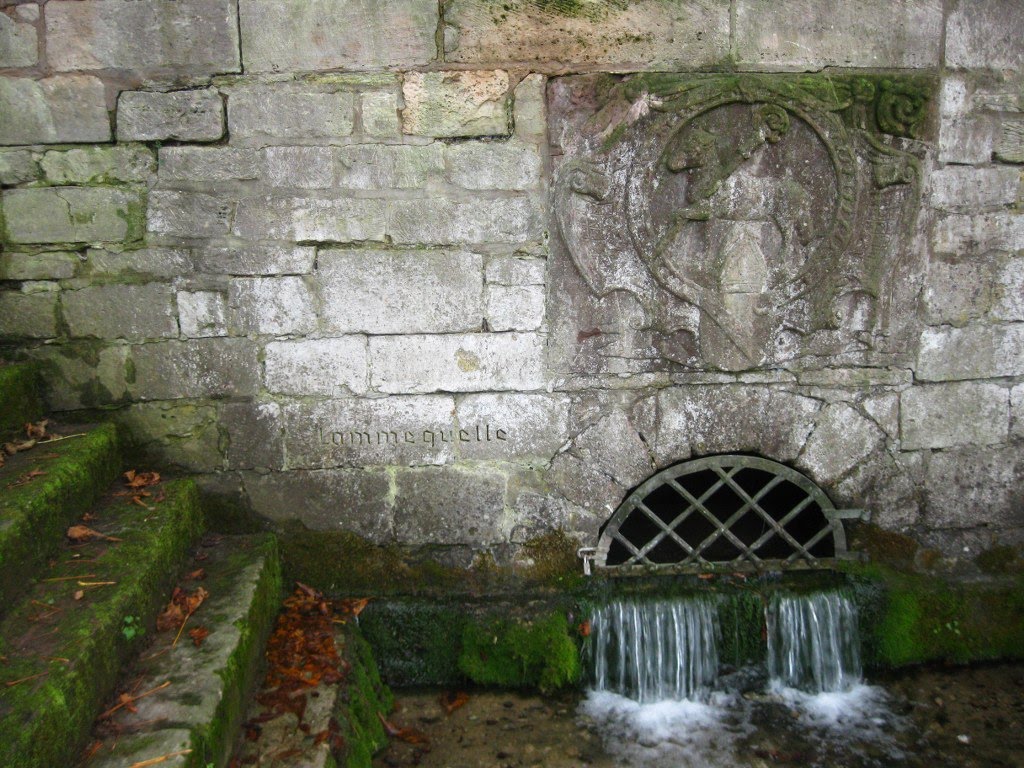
(363, 437)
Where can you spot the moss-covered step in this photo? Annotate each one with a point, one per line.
(19, 395)
(42, 491)
(199, 685)
(62, 647)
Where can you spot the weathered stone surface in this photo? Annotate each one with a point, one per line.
(529, 108)
(302, 167)
(974, 487)
(310, 219)
(170, 741)
(283, 113)
(957, 290)
(254, 433)
(605, 34)
(400, 291)
(379, 110)
(194, 115)
(271, 305)
(960, 188)
(1009, 290)
(974, 352)
(257, 259)
(70, 214)
(28, 315)
(54, 110)
(1010, 147)
(298, 35)
(985, 34)
(948, 415)
(202, 314)
(133, 312)
(514, 426)
(613, 446)
(55, 265)
(493, 165)
(842, 438)
(179, 37)
(150, 262)
(886, 487)
(966, 135)
(581, 484)
(884, 409)
(977, 233)
(362, 432)
(199, 164)
(457, 362)
(387, 167)
(17, 166)
(189, 214)
(815, 34)
(451, 104)
(83, 374)
(1017, 411)
(19, 44)
(515, 270)
(332, 367)
(515, 308)
(355, 500)
(196, 368)
(440, 221)
(99, 165)
(446, 505)
(177, 434)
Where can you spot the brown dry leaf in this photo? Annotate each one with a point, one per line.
(197, 575)
(81, 533)
(198, 635)
(136, 480)
(408, 735)
(26, 478)
(584, 628)
(18, 446)
(38, 431)
(171, 618)
(193, 601)
(452, 700)
(79, 594)
(355, 607)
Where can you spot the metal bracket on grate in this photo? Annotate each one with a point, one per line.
(788, 521)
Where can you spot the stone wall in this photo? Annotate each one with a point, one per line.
(314, 251)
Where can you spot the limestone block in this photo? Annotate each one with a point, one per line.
(885, 410)
(493, 165)
(452, 104)
(197, 368)
(19, 44)
(637, 35)
(188, 214)
(28, 315)
(449, 505)
(512, 426)
(356, 500)
(456, 362)
(973, 352)
(257, 259)
(271, 305)
(975, 487)
(841, 439)
(948, 415)
(63, 109)
(515, 308)
(584, 485)
(977, 233)
(1009, 290)
(151, 262)
(613, 447)
(400, 291)
(202, 313)
(310, 219)
(301, 167)
(99, 165)
(985, 34)
(387, 167)
(379, 110)
(814, 34)
(441, 221)
(284, 113)
(53, 265)
(1010, 146)
(181, 435)
(70, 214)
(165, 37)
(515, 270)
(82, 374)
(312, 35)
(960, 188)
(18, 166)
(361, 432)
(133, 312)
(332, 367)
(529, 108)
(957, 290)
(195, 115)
(254, 432)
(1017, 411)
(199, 164)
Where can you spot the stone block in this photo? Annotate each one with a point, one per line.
(313, 35)
(968, 139)
(379, 110)
(977, 233)
(974, 487)
(361, 432)
(331, 367)
(812, 34)
(189, 214)
(493, 165)
(973, 352)
(400, 291)
(1010, 145)
(613, 447)
(985, 34)
(218, 367)
(355, 500)
(177, 434)
(255, 436)
(149, 262)
(387, 167)
(28, 315)
(284, 113)
(515, 308)
(450, 505)
(957, 290)
(584, 485)
(456, 362)
(19, 41)
(440, 221)
(168, 38)
(301, 167)
(202, 314)
(948, 415)
(884, 409)
(193, 115)
(842, 439)
(257, 259)
(83, 374)
(271, 305)
(99, 165)
(1008, 304)
(18, 166)
(208, 164)
(606, 34)
(133, 312)
(54, 265)
(452, 104)
(511, 426)
(71, 214)
(1017, 411)
(63, 109)
(960, 188)
(515, 270)
(310, 219)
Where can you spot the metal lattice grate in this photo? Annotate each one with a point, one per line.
(743, 511)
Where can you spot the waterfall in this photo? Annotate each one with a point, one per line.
(655, 650)
(813, 643)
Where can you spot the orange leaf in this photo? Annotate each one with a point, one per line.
(584, 628)
(171, 618)
(197, 575)
(450, 701)
(135, 479)
(37, 431)
(79, 594)
(198, 635)
(80, 533)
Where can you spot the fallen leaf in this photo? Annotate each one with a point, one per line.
(198, 635)
(79, 594)
(584, 628)
(355, 607)
(37, 431)
(135, 479)
(82, 533)
(12, 447)
(408, 735)
(172, 617)
(197, 575)
(705, 576)
(452, 700)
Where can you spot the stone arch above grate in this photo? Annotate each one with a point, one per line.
(745, 512)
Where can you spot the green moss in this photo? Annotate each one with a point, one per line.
(19, 395)
(999, 561)
(882, 546)
(366, 698)
(415, 642)
(554, 559)
(741, 621)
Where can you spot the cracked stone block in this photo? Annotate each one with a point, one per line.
(279, 113)
(19, 45)
(841, 439)
(582, 484)
(331, 367)
(493, 165)
(985, 34)
(52, 265)
(202, 313)
(99, 165)
(216, 164)
(613, 446)
(28, 315)
(948, 415)
(379, 111)
(63, 109)
(512, 426)
(254, 433)
(440, 221)
(257, 259)
(188, 214)
(963, 188)
(515, 307)
(133, 312)
(197, 368)
(194, 115)
(974, 487)
(446, 505)
(271, 305)
(310, 219)
(148, 262)
(69, 214)
(973, 352)
(456, 103)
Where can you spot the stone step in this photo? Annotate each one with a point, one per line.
(200, 691)
(19, 395)
(43, 491)
(62, 647)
